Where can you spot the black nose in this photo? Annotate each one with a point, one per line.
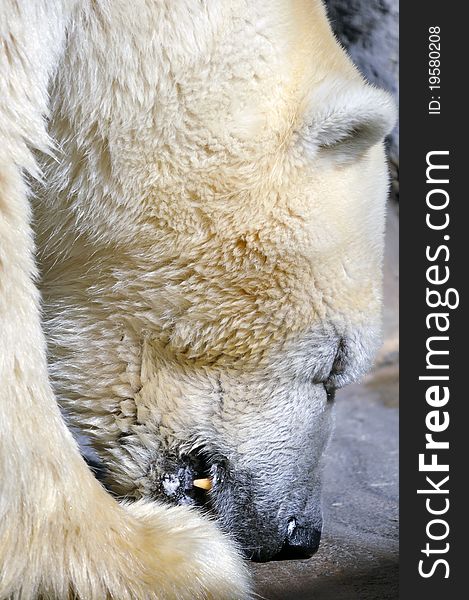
(301, 541)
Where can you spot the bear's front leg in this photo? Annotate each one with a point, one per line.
(63, 536)
(61, 533)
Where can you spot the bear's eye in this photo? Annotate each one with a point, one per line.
(330, 391)
(338, 367)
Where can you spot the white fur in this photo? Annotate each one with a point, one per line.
(174, 241)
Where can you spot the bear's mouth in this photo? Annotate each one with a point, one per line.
(191, 480)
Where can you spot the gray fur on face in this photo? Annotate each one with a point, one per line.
(258, 434)
(275, 476)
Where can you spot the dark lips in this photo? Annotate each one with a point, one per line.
(191, 481)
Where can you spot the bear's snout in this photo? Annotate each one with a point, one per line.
(301, 541)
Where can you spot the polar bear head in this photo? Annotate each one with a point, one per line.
(224, 182)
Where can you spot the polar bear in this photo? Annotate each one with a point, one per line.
(198, 189)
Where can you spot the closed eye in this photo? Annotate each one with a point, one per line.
(330, 391)
(338, 367)
(340, 359)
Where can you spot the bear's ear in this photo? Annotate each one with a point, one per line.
(347, 118)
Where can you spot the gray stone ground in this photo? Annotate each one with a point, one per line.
(358, 557)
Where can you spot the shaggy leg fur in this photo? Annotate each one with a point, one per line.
(61, 534)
